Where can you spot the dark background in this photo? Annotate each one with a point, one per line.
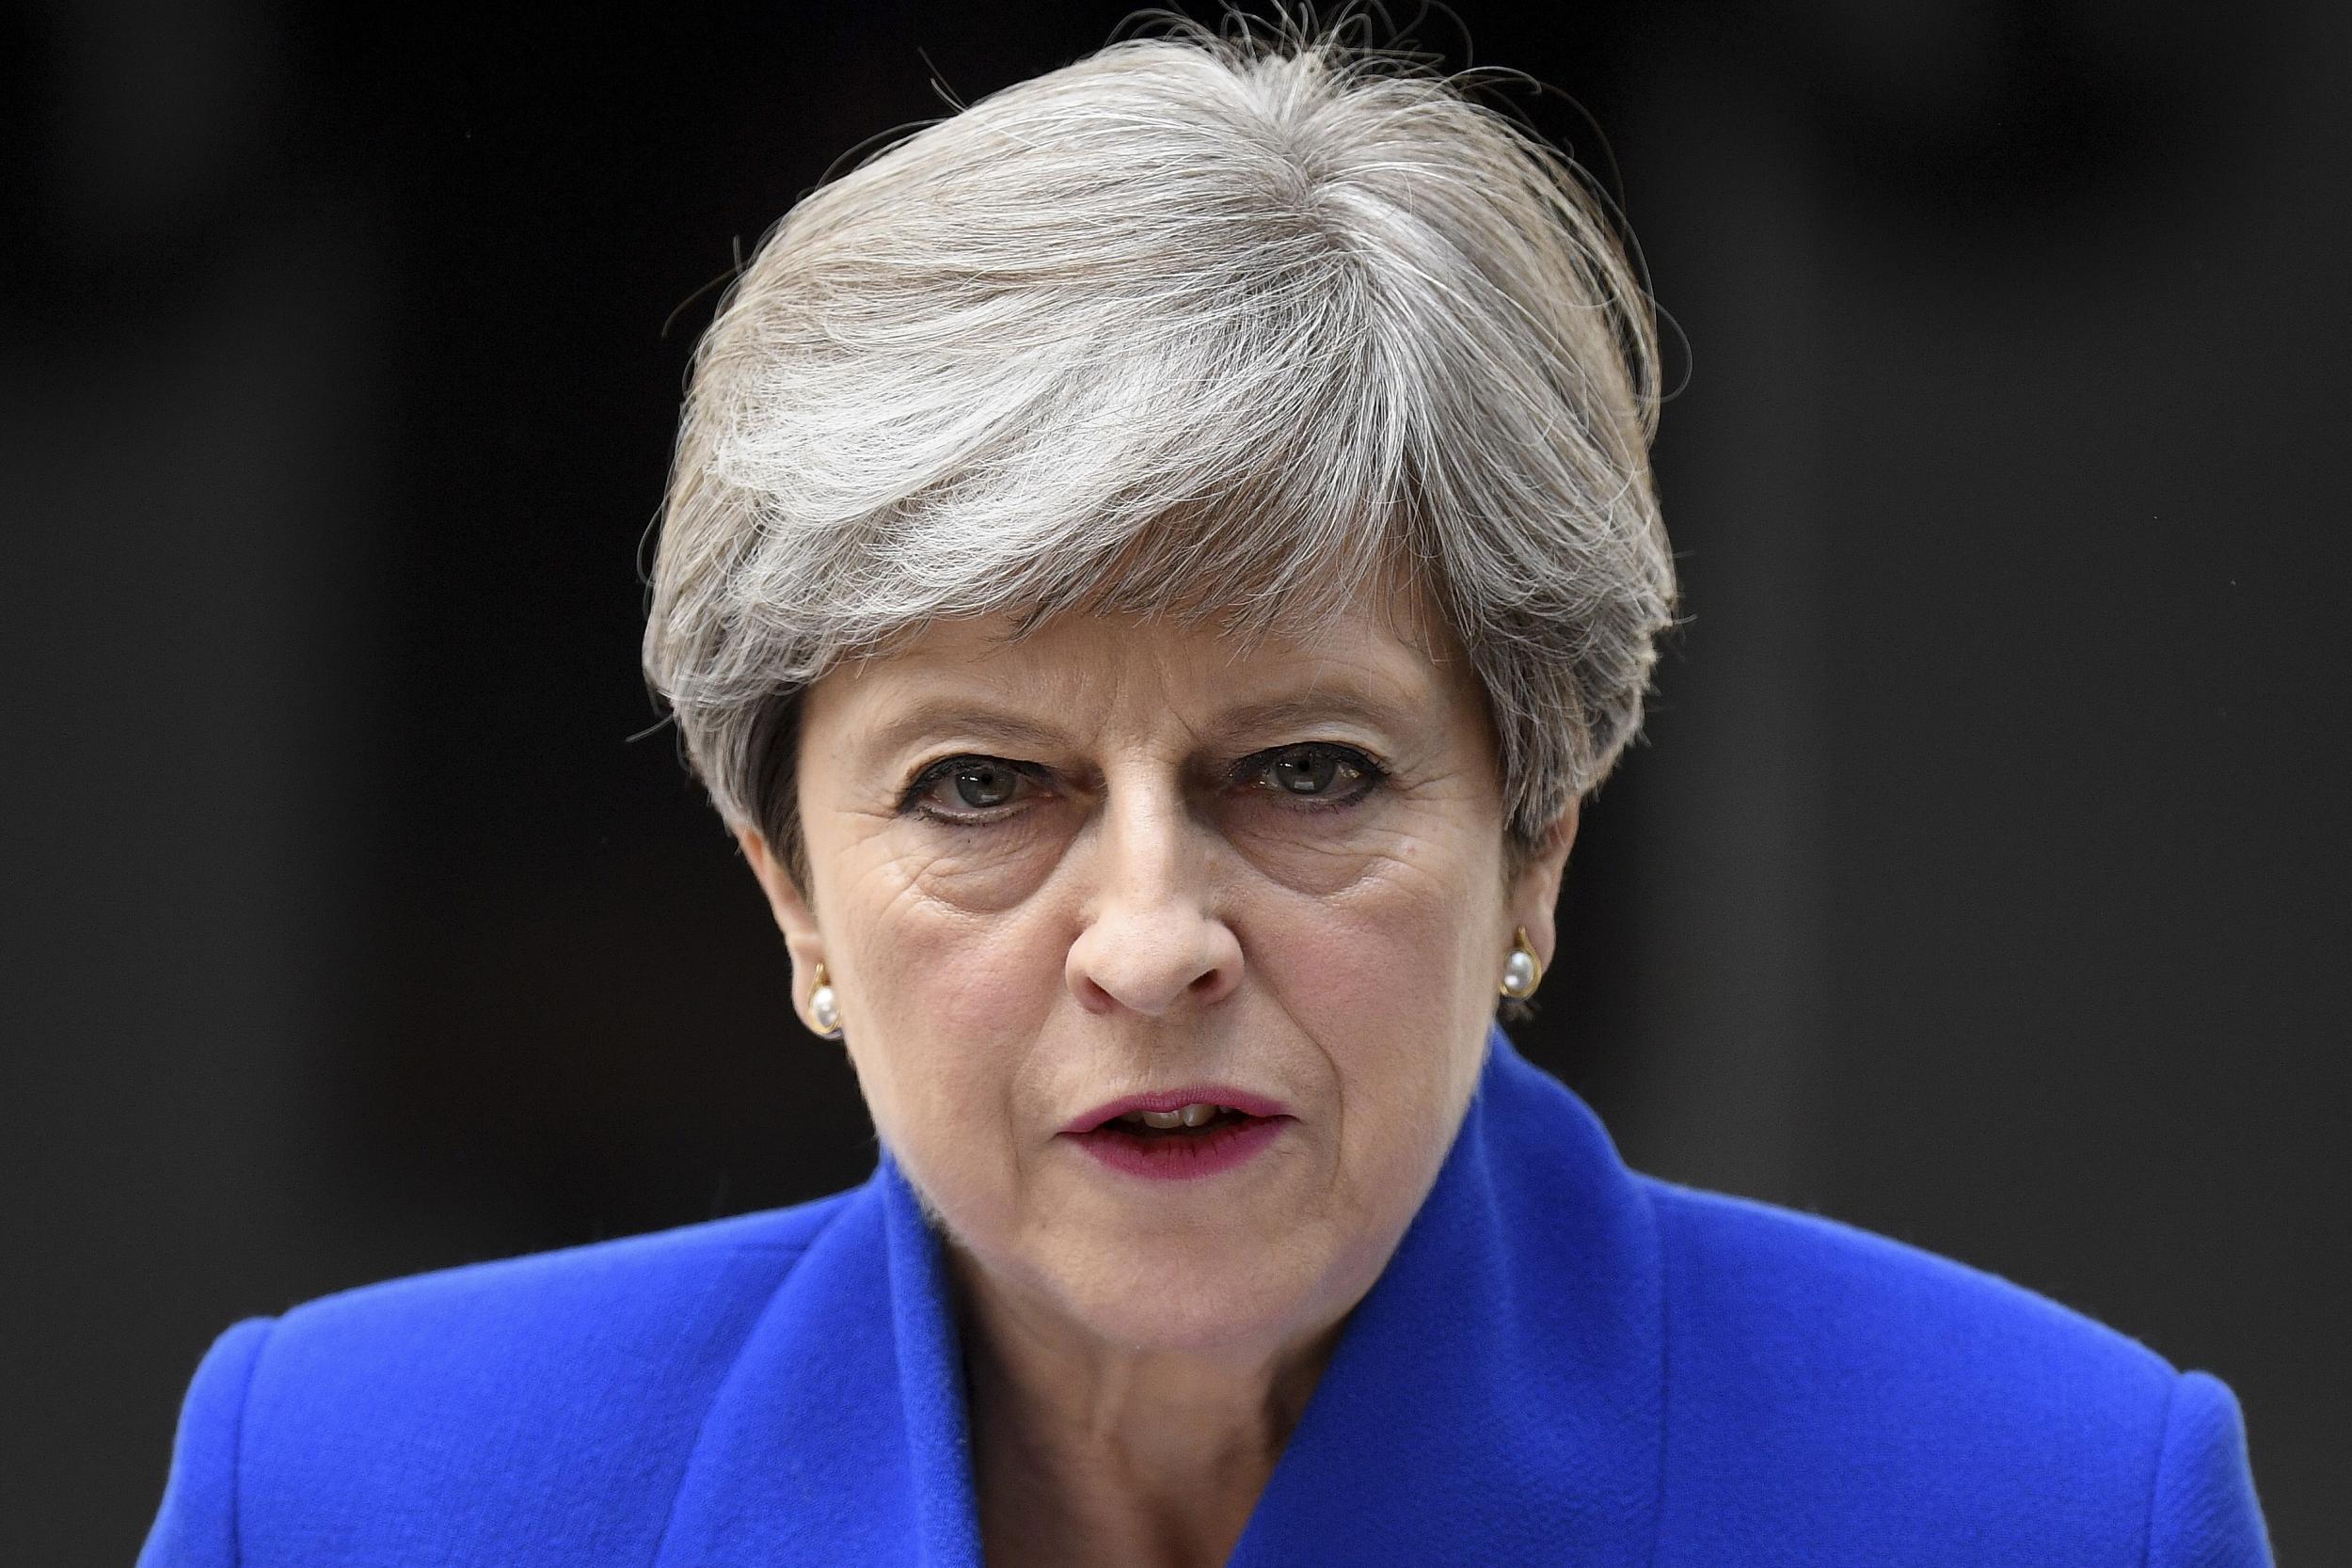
(1983, 883)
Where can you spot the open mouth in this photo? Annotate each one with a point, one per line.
(1198, 1141)
(1192, 1121)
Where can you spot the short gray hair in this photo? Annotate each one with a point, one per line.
(1195, 324)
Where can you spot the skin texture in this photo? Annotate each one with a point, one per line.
(1144, 895)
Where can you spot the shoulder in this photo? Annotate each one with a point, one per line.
(1740, 1268)
(555, 1394)
(1835, 1373)
(593, 1296)
(577, 1326)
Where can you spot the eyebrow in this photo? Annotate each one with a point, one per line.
(974, 717)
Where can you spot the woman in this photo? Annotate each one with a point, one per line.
(1153, 565)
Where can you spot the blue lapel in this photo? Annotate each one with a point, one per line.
(1498, 1395)
(838, 1437)
(1496, 1398)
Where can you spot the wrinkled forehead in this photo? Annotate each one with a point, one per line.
(1384, 613)
(1385, 637)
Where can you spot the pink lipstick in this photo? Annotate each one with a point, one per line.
(1191, 1132)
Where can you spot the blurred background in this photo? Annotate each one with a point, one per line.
(1982, 882)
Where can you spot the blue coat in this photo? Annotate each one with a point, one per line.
(1566, 1362)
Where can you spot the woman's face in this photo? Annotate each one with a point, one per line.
(1120, 857)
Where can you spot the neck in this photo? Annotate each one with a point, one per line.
(1085, 1452)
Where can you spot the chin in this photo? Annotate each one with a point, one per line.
(1190, 1305)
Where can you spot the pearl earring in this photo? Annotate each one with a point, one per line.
(1522, 972)
(825, 1008)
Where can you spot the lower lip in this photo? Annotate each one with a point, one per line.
(1184, 1158)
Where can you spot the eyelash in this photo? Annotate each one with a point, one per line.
(1370, 776)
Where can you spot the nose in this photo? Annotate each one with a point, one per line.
(1151, 941)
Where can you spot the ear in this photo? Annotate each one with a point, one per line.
(1535, 893)
(791, 910)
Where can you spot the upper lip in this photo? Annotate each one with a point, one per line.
(1176, 1100)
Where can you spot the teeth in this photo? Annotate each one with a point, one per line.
(1189, 1116)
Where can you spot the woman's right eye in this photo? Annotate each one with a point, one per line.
(966, 789)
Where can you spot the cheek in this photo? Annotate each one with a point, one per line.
(1388, 981)
(1327, 854)
(1392, 941)
(984, 870)
(948, 1005)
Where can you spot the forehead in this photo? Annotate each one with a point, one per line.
(1387, 648)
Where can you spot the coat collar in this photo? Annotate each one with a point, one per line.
(1496, 1396)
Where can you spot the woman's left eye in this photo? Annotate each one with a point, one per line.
(1313, 775)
